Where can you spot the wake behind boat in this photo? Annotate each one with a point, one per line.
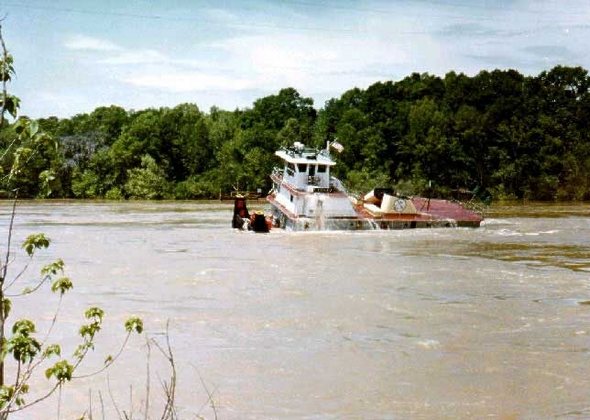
(306, 197)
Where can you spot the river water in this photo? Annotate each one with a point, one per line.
(434, 323)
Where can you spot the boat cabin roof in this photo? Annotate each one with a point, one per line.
(300, 154)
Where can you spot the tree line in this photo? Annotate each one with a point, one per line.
(498, 134)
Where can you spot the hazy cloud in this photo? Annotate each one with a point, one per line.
(467, 30)
(188, 82)
(556, 52)
(125, 57)
(87, 43)
(231, 53)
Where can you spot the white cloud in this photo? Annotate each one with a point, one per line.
(237, 53)
(222, 16)
(311, 63)
(135, 57)
(177, 81)
(268, 63)
(83, 42)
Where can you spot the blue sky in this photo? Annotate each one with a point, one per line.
(72, 56)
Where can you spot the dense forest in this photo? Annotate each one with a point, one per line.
(500, 134)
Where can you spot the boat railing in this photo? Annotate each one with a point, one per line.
(313, 180)
(336, 184)
(277, 173)
(294, 151)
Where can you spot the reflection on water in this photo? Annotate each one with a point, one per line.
(433, 323)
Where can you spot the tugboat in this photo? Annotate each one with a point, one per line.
(305, 197)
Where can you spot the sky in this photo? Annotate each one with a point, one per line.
(72, 56)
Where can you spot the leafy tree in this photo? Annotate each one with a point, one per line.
(497, 132)
(142, 136)
(185, 143)
(148, 182)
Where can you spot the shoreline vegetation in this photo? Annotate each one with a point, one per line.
(499, 135)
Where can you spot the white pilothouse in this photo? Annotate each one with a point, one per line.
(305, 196)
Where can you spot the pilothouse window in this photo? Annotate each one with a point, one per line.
(302, 167)
(322, 169)
(291, 169)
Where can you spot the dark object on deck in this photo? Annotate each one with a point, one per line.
(240, 213)
(259, 223)
(380, 191)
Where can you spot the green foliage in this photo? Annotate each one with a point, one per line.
(35, 241)
(147, 182)
(52, 350)
(62, 285)
(85, 184)
(134, 324)
(31, 164)
(23, 327)
(88, 331)
(26, 159)
(62, 371)
(498, 132)
(10, 393)
(7, 68)
(11, 104)
(361, 181)
(95, 314)
(22, 345)
(53, 268)
(114, 193)
(204, 186)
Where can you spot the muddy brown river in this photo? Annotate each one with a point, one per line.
(436, 323)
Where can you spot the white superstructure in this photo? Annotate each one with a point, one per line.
(304, 194)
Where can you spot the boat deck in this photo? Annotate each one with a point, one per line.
(431, 213)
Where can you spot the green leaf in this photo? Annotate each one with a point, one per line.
(34, 242)
(88, 331)
(45, 178)
(6, 394)
(23, 347)
(21, 125)
(134, 324)
(81, 349)
(62, 371)
(33, 128)
(94, 312)
(11, 104)
(62, 285)
(53, 268)
(23, 327)
(6, 68)
(52, 350)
